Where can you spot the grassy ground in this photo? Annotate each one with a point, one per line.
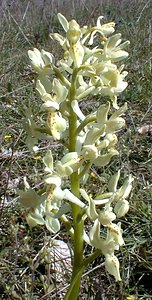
(25, 271)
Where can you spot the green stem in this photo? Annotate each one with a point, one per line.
(78, 224)
(77, 277)
(69, 294)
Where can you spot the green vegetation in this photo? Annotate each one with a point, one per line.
(25, 269)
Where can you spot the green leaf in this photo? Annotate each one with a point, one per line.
(70, 294)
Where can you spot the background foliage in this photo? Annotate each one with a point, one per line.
(25, 271)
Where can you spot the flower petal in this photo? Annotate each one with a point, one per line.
(112, 266)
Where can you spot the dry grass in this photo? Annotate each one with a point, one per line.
(25, 272)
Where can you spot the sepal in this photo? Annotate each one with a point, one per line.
(29, 198)
(121, 208)
(48, 161)
(63, 21)
(112, 185)
(125, 190)
(104, 159)
(41, 61)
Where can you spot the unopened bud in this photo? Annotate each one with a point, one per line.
(74, 32)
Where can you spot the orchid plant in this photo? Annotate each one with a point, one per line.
(88, 140)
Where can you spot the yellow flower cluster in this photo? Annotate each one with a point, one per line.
(90, 66)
